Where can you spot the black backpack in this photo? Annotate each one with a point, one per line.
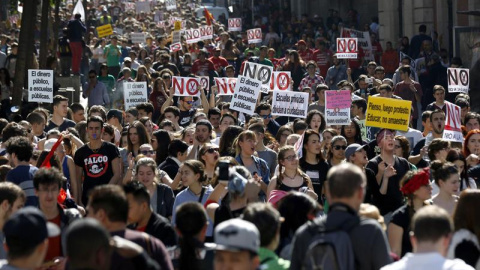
(330, 248)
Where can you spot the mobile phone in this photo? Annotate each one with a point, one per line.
(223, 171)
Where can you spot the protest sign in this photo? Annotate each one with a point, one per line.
(138, 38)
(298, 146)
(205, 82)
(206, 32)
(226, 86)
(254, 35)
(347, 48)
(104, 30)
(171, 4)
(142, 7)
(260, 72)
(176, 37)
(388, 113)
(245, 95)
(186, 86)
(235, 24)
(363, 40)
(40, 86)
(458, 80)
(134, 93)
(158, 16)
(177, 25)
(280, 81)
(161, 24)
(175, 47)
(192, 36)
(453, 125)
(337, 107)
(289, 103)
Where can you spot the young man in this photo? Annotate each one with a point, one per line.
(439, 103)
(430, 236)
(143, 219)
(265, 111)
(203, 135)
(336, 73)
(95, 91)
(185, 104)
(172, 114)
(345, 188)
(264, 152)
(219, 62)
(26, 239)
(97, 161)
(472, 121)
(78, 112)
(145, 110)
(320, 103)
(47, 183)
(177, 153)
(60, 110)
(409, 90)
(109, 205)
(213, 116)
(464, 107)
(12, 198)
(202, 66)
(312, 79)
(390, 60)
(357, 110)
(112, 53)
(437, 122)
(238, 243)
(385, 90)
(37, 121)
(427, 127)
(20, 151)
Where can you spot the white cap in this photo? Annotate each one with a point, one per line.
(237, 235)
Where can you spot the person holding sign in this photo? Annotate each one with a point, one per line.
(95, 91)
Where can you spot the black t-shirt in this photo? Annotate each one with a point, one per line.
(66, 124)
(186, 117)
(373, 190)
(97, 166)
(317, 173)
(394, 198)
(401, 218)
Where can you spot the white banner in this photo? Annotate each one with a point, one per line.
(134, 93)
(254, 35)
(205, 82)
(260, 72)
(186, 86)
(206, 32)
(171, 4)
(458, 80)
(175, 47)
(347, 48)
(280, 81)
(363, 41)
(235, 24)
(453, 124)
(289, 103)
(142, 6)
(138, 38)
(192, 36)
(40, 85)
(245, 95)
(225, 85)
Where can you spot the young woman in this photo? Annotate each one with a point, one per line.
(336, 155)
(416, 188)
(187, 135)
(148, 125)
(158, 97)
(282, 134)
(290, 175)
(313, 163)
(402, 147)
(447, 178)
(316, 121)
(186, 67)
(160, 141)
(144, 76)
(192, 176)
(296, 66)
(327, 135)
(456, 157)
(98, 55)
(137, 135)
(472, 146)
(209, 155)
(352, 133)
(438, 150)
(227, 139)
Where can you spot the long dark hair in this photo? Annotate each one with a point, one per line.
(8, 80)
(306, 136)
(163, 140)
(310, 116)
(454, 155)
(143, 136)
(358, 133)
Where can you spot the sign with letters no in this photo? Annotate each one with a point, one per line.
(453, 125)
(347, 48)
(280, 81)
(186, 86)
(254, 35)
(225, 85)
(260, 72)
(458, 80)
(235, 24)
(192, 36)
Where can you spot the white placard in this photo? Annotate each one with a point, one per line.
(453, 124)
(171, 4)
(280, 81)
(206, 32)
(177, 37)
(142, 6)
(205, 82)
(235, 24)
(175, 47)
(347, 48)
(134, 93)
(138, 38)
(226, 86)
(458, 80)
(259, 72)
(254, 35)
(363, 39)
(186, 86)
(158, 16)
(192, 36)
(245, 95)
(289, 103)
(40, 85)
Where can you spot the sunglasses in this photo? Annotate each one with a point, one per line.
(266, 116)
(147, 152)
(212, 150)
(189, 102)
(291, 158)
(166, 77)
(338, 147)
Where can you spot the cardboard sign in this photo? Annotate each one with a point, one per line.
(138, 38)
(388, 113)
(186, 86)
(158, 16)
(260, 72)
(175, 47)
(337, 107)
(134, 93)
(245, 95)
(176, 37)
(142, 7)
(192, 36)
(254, 35)
(40, 85)
(104, 30)
(206, 32)
(453, 124)
(347, 48)
(235, 24)
(171, 4)
(363, 39)
(280, 81)
(458, 80)
(226, 86)
(205, 82)
(289, 103)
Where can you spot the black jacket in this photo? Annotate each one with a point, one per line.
(161, 228)
(170, 167)
(165, 200)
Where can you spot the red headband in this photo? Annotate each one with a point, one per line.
(421, 178)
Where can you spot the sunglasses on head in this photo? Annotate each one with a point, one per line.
(212, 150)
(338, 147)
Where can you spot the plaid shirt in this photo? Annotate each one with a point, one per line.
(311, 82)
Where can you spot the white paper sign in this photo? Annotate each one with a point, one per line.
(205, 82)
(171, 4)
(40, 85)
(158, 16)
(289, 103)
(453, 124)
(206, 32)
(177, 37)
(192, 36)
(458, 80)
(259, 72)
(235, 24)
(245, 95)
(280, 81)
(143, 6)
(254, 35)
(134, 93)
(186, 86)
(363, 39)
(138, 38)
(175, 47)
(226, 86)
(347, 48)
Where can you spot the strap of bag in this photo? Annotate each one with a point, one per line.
(201, 195)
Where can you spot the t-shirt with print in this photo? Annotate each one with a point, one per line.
(318, 175)
(96, 165)
(186, 117)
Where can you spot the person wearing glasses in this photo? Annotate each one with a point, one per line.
(336, 154)
(209, 155)
(265, 111)
(95, 91)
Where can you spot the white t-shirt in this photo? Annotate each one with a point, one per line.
(432, 260)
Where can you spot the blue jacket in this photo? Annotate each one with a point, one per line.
(76, 29)
(261, 165)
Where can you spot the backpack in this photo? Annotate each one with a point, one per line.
(330, 248)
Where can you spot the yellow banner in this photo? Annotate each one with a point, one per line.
(104, 30)
(388, 113)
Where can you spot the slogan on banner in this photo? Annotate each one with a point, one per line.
(138, 38)
(171, 4)
(388, 113)
(104, 30)
(235, 24)
(289, 103)
(225, 85)
(40, 85)
(347, 48)
(176, 37)
(192, 36)
(245, 95)
(254, 35)
(458, 80)
(175, 47)
(206, 32)
(363, 41)
(260, 72)
(453, 125)
(186, 86)
(280, 81)
(134, 93)
(337, 107)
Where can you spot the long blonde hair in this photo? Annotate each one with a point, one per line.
(245, 135)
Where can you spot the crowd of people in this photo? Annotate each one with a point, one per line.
(184, 182)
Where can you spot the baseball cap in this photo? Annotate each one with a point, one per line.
(237, 235)
(301, 42)
(352, 148)
(127, 59)
(27, 228)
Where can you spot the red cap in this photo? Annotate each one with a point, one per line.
(301, 42)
